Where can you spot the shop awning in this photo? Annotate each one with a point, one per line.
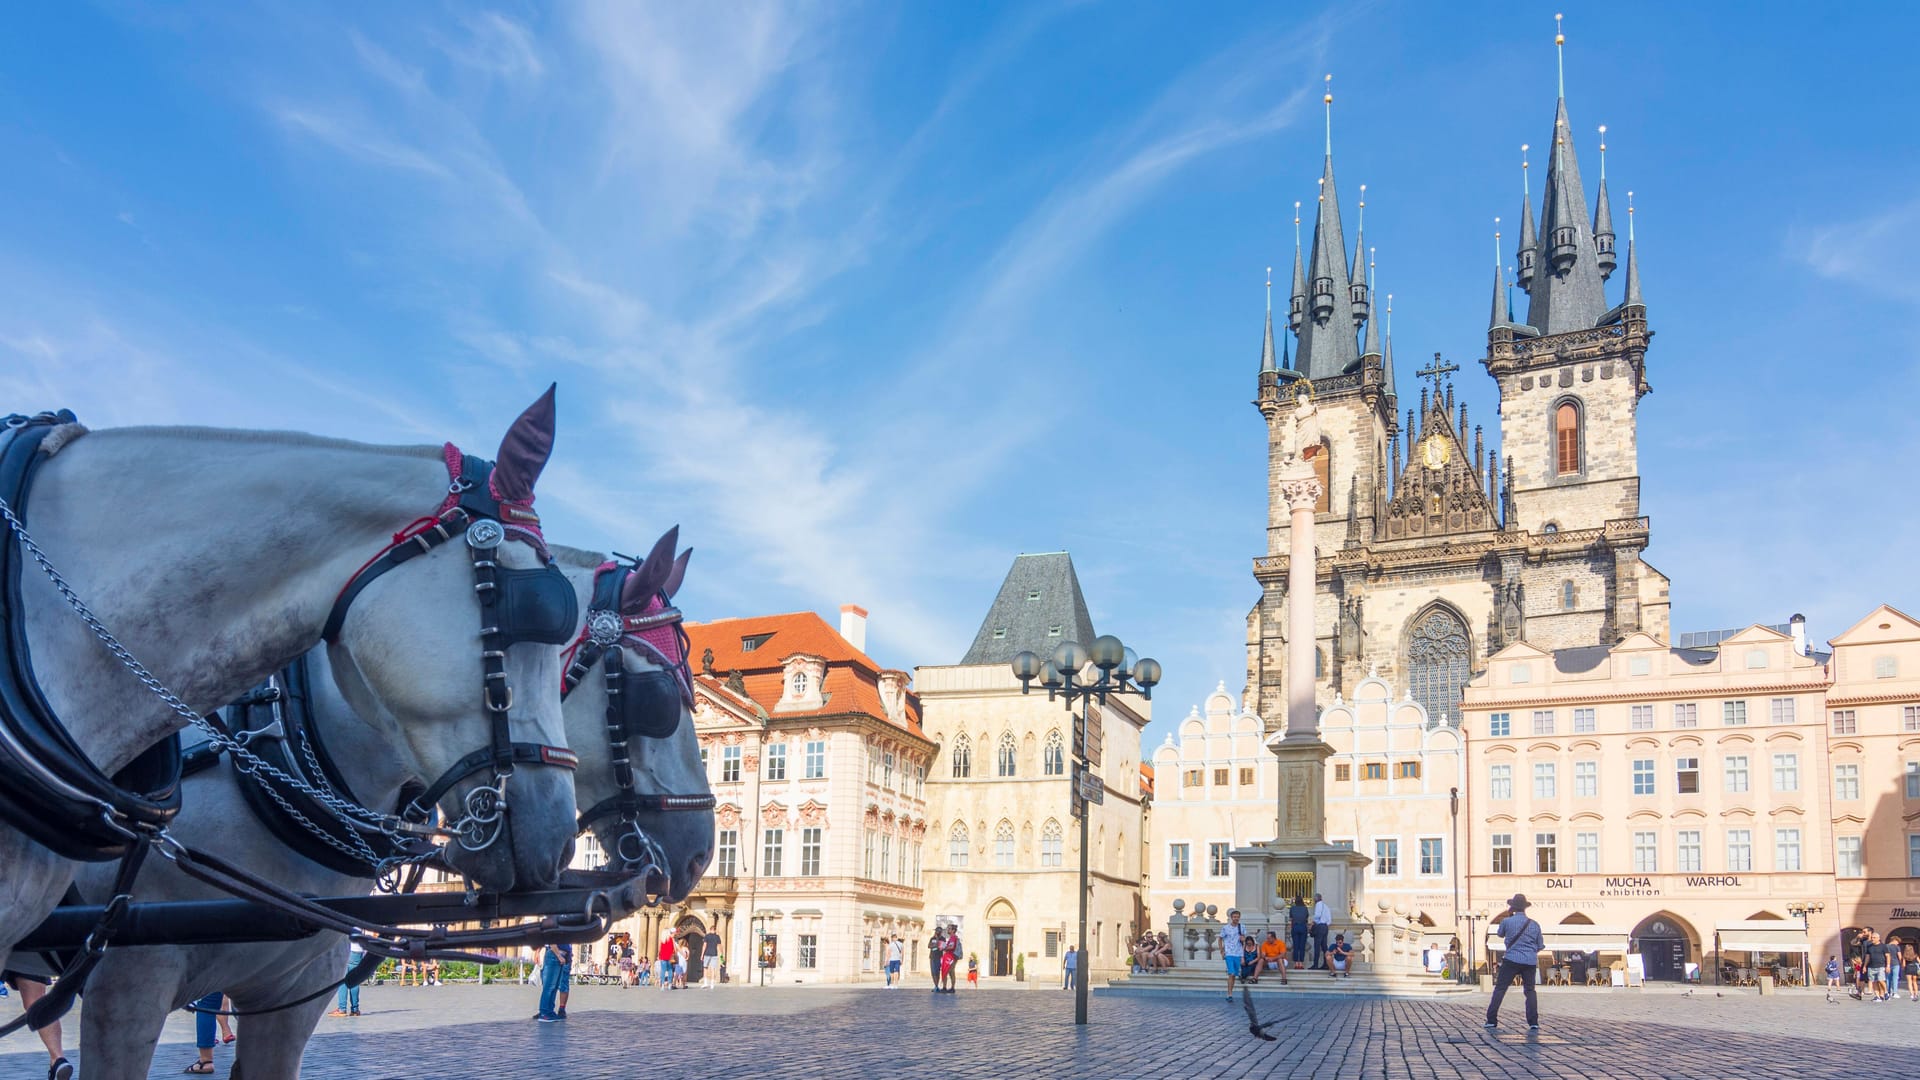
(1561, 940)
(1761, 936)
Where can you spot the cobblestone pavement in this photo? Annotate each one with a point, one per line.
(873, 1033)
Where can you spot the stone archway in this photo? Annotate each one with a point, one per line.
(694, 932)
(1000, 928)
(1666, 944)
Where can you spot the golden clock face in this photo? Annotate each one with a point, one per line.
(1435, 452)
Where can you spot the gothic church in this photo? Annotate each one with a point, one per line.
(1435, 550)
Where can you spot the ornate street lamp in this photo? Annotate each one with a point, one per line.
(1804, 909)
(1088, 675)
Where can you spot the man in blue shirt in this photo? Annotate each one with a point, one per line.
(1524, 943)
(556, 964)
(1072, 966)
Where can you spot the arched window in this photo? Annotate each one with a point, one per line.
(962, 757)
(1055, 761)
(1050, 843)
(1323, 472)
(1438, 652)
(1003, 845)
(1566, 439)
(957, 845)
(1004, 759)
(1566, 595)
(799, 684)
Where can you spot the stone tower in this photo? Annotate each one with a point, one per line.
(1434, 549)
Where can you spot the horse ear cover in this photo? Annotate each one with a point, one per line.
(524, 451)
(677, 575)
(645, 582)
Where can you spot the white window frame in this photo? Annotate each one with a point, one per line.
(1427, 859)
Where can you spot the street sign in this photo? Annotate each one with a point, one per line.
(1089, 735)
(1089, 787)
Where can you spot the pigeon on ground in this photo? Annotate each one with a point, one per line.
(1255, 1026)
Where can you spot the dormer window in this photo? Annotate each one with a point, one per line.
(1032, 595)
(999, 632)
(1564, 251)
(753, 641)
(797, 685)
(1322, 298)
(1053, 630)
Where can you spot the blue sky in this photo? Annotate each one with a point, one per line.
(870, 298)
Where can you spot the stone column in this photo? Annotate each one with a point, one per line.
(1301, 490)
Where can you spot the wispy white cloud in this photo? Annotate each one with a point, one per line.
(358, 142)
(1880, 252)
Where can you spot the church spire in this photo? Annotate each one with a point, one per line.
(1567, 293)
(1603, 216)
(1633, 263)
(1386, 355)
(1501, 315)
(1297, 304)
(1266, 346)
(1528, 242)
(1359, 292)
(1327, 343)
(1372, 346)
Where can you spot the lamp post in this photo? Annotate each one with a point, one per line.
(1473, 962)
(1087, 675)
(1804, 909)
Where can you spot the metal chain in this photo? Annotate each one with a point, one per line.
(350, 813)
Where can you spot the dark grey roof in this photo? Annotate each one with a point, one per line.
(1574, 298)
(1576, 660)
(1329, 346)
(1039, 606)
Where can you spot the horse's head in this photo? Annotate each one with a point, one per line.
(629, 712)
(457, 656)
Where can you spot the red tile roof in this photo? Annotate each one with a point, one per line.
(852, 682)
(1146, 779)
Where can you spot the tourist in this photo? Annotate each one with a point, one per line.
(1273, 955)
(1910, 967)
(1164, 955)
(710, 960)
(1067, 969)
(204, 1012)
(680, 955)
(1233, 948)
(1876, 968)
(896, 955)
(1297, 919)
(32, 988)
(1524, 943)
(555, 961)
(933, 955)
(950, 960)
(1342, 954)
(663, 961)
(1250, 966)
(347, 1000)
(1833, 972)
(1322, 926)
(629, 971)
(973, 970)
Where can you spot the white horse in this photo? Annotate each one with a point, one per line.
(216, 557)
(131, 993)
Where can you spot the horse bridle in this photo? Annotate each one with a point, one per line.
(632, 705)
(516, 605)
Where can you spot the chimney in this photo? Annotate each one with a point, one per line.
(1799, 625)
(853, 625)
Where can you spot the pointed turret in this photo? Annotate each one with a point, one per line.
(1500, 317)
(1633, 264)
(1297, 304)
(1386, 354)
(1358, 291)
(1603, 216)
(1328, 346)
(1371, 343)
(1529, 242)
(1566, 290)
(1267, 362)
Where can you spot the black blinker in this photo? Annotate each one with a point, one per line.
(536, 605)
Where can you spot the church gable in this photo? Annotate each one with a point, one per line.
(1440, 489)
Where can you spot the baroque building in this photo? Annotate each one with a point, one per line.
(1436, 546)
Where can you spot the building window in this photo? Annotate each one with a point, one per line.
(920, 781)
(772, 842)
(1386, 857)
(1643, 718)
(1546, 853)
(957, 847)
(1218, 865)
(1586, 853)
(1500, 725)
(1885, 667)
(1521, 674)
(1566, 439)
(809, 952)
(1756, 659)
(1437, 656)
(886, 858)
(1433, 856)
(1739, 850)
(1003, 845)
(1375, 770)
(729, 764)
(1054, 759)
(1502, 848)
(1053, 630)
(1913, 779)
(1643, 776)
(1342, 773)
(1566, 595)
(799, 684)
(1407, 770)
(1543, 780)
(916, 865)
(1686, 715)
(1646, 853)
(1050, 843)
(1733, 713)
(1844, 722)
(1687, 849)
(703, 760)
(1846, 783)
(1179, 864)
(1583, 721)
(1586, 779)
(1246, 776)
(726, 853)
(1194, 778)
(1846, 856)
(1051, 941)
(810, 853)
(1786, 849)
(748, 644)
(1500, 782)
(1786, 772)
(1004, 756)
(1543, 722)
(886, 770)
(962, 757)
(816, 759)
(777, 761)
(1687, 773)
(1913, 854)
(1220, 778)
(1780, 710)
(1736, 772)
(1910, 718)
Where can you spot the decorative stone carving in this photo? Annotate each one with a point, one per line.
(813, 813)
(1300, 494)
(727, 815)
(774, 815)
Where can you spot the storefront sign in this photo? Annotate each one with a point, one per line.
(1640, 885)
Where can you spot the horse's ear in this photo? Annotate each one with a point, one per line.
(524, 451)
(677, 575)
(645, 582)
